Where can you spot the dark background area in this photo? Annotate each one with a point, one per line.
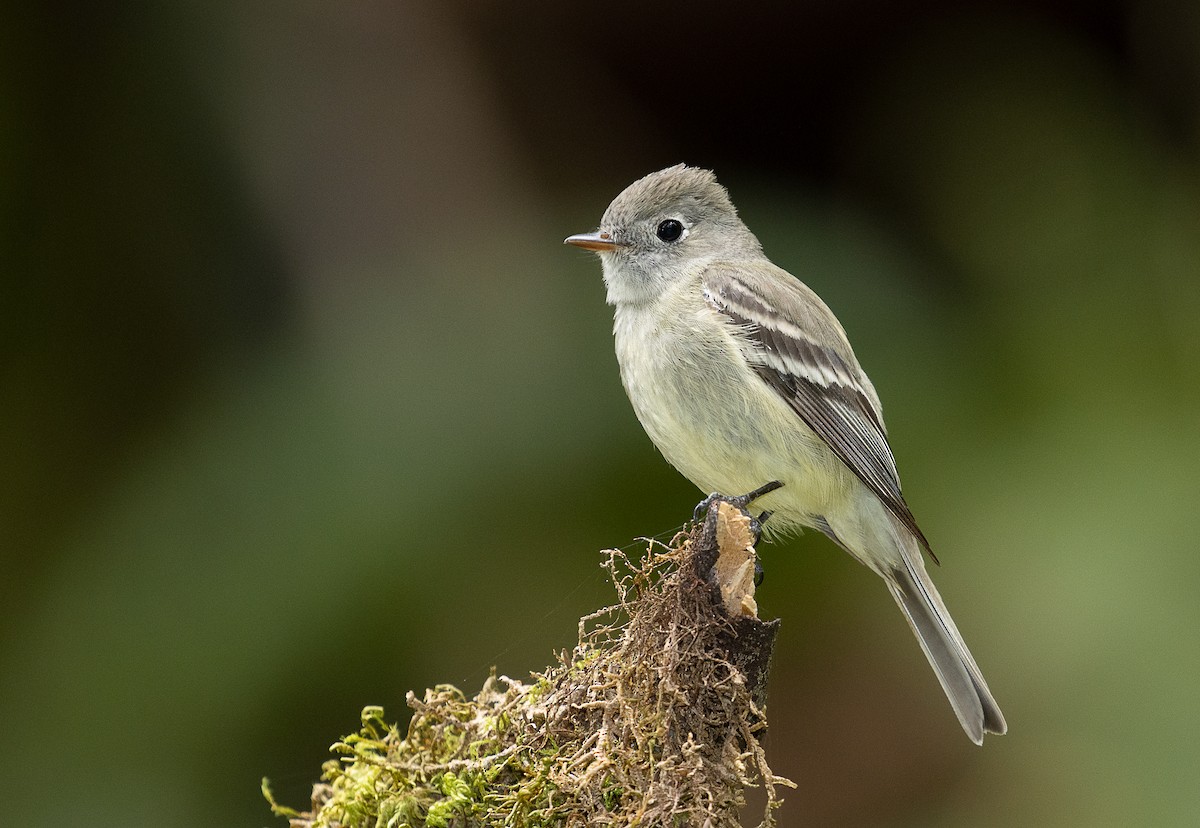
(303, 404)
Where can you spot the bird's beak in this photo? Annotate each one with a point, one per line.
(592, 241)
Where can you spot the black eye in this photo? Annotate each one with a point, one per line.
(670, 230)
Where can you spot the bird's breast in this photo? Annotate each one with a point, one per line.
(705, 407)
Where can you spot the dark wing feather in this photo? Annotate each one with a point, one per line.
(826, 389)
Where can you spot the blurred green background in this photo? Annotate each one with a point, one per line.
(304, 405)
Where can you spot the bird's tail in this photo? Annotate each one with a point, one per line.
(945, 649)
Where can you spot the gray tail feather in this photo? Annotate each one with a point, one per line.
(977, 711)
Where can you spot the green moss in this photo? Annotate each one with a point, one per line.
(644, 723)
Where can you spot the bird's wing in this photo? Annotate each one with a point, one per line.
(794, 342)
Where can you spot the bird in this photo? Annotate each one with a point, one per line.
(742, 376)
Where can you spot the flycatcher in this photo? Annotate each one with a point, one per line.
(742, 376)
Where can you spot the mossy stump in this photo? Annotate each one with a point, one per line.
(654, 719)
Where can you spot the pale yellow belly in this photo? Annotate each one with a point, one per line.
(725, 429)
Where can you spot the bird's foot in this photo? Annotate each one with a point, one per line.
(739, 502)
(756, 525)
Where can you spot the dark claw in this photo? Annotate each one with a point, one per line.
(759, 573)
(703, 505)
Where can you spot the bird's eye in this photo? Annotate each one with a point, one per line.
(670, 230)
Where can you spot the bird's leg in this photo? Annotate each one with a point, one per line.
(740, 502)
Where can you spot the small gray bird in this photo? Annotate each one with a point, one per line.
(741, 376)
